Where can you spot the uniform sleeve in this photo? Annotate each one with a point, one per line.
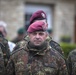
(72, 62)
(62, 66)
(63, 69)
(10, 67)
(69, 64)
(17, 63)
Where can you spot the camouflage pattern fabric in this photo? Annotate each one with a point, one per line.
(26, 61)
(2, 66)
(55, 45)
(21, 43)
(4, 55)
(72, 62)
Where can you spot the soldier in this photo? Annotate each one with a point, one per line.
(20, 35)
(3, 30)
(4, 48)
(41, 16)
(4, 54)
(36, 56)
(72, 62)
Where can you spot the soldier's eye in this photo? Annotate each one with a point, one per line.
(34, 33)
(41, 34)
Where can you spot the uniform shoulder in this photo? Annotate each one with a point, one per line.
(56, 46)
(58, 57)
(21, 43)
(73, 52)
(16, 51)
(72, 56)
(56, 53)
(18, 54)
(54, 42)
(20, 46)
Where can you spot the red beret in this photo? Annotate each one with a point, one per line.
(37, 26)
(38, 15)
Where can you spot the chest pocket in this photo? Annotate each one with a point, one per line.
(41, 65)
(2, 67)
(50, 71)
(38, 67)
(41, 71)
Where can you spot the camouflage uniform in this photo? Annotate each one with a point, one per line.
(55, 45)
(2, 66)
(4, 55)
(31, 61)
(72, 62)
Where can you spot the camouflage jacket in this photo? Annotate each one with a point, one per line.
(4, 55)
(24, 61)
(2, 64)
(72, 62)
(55, 45)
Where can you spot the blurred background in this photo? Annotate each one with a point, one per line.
(61, 17)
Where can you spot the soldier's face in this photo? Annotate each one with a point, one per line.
(37, 38)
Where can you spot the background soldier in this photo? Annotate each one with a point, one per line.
(3, 30)
(4, 49)
(20, 35)
(4, 54)
(72, 62)
(36, 57)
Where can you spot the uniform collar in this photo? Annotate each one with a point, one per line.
(38, 50)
